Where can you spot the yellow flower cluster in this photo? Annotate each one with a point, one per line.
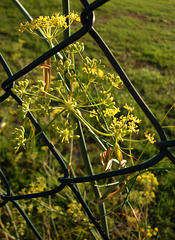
(146, 184)
(148, 179)
(49, 26)
(75, 48)
(34, 187)
(45, 22)
(150, 232)
(18, 138)
(109, 112)
(93, 69)
(38, 186)
(66, 131)
(129, 108)
(113, 80)
(74, 209)
(150, 137)
(124, 125)
(73, 17)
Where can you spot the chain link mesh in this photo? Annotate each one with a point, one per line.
(87, 19)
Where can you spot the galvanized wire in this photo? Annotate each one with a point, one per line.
(87, 19)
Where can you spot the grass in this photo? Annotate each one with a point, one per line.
(141, 35)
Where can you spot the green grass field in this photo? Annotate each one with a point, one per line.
(141, 35)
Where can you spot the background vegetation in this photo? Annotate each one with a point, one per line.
(141, 35)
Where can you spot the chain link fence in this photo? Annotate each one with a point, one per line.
(87, 19)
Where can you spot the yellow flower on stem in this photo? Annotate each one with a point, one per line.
(109, 112)
(50, 27)
(149, 137)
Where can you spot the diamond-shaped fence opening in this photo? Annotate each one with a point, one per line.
(87, 19)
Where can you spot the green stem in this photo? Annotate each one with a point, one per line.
(82, 120)
(54, 98)
(134, 216)
(89, 170)
(102, 116)
(130, 148)
(167, 113)
(93, 105)
(82, 143)
(72, 173)
(143, 151)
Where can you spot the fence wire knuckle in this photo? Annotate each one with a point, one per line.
(87, 19)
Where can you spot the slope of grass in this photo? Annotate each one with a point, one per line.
(141, 35)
